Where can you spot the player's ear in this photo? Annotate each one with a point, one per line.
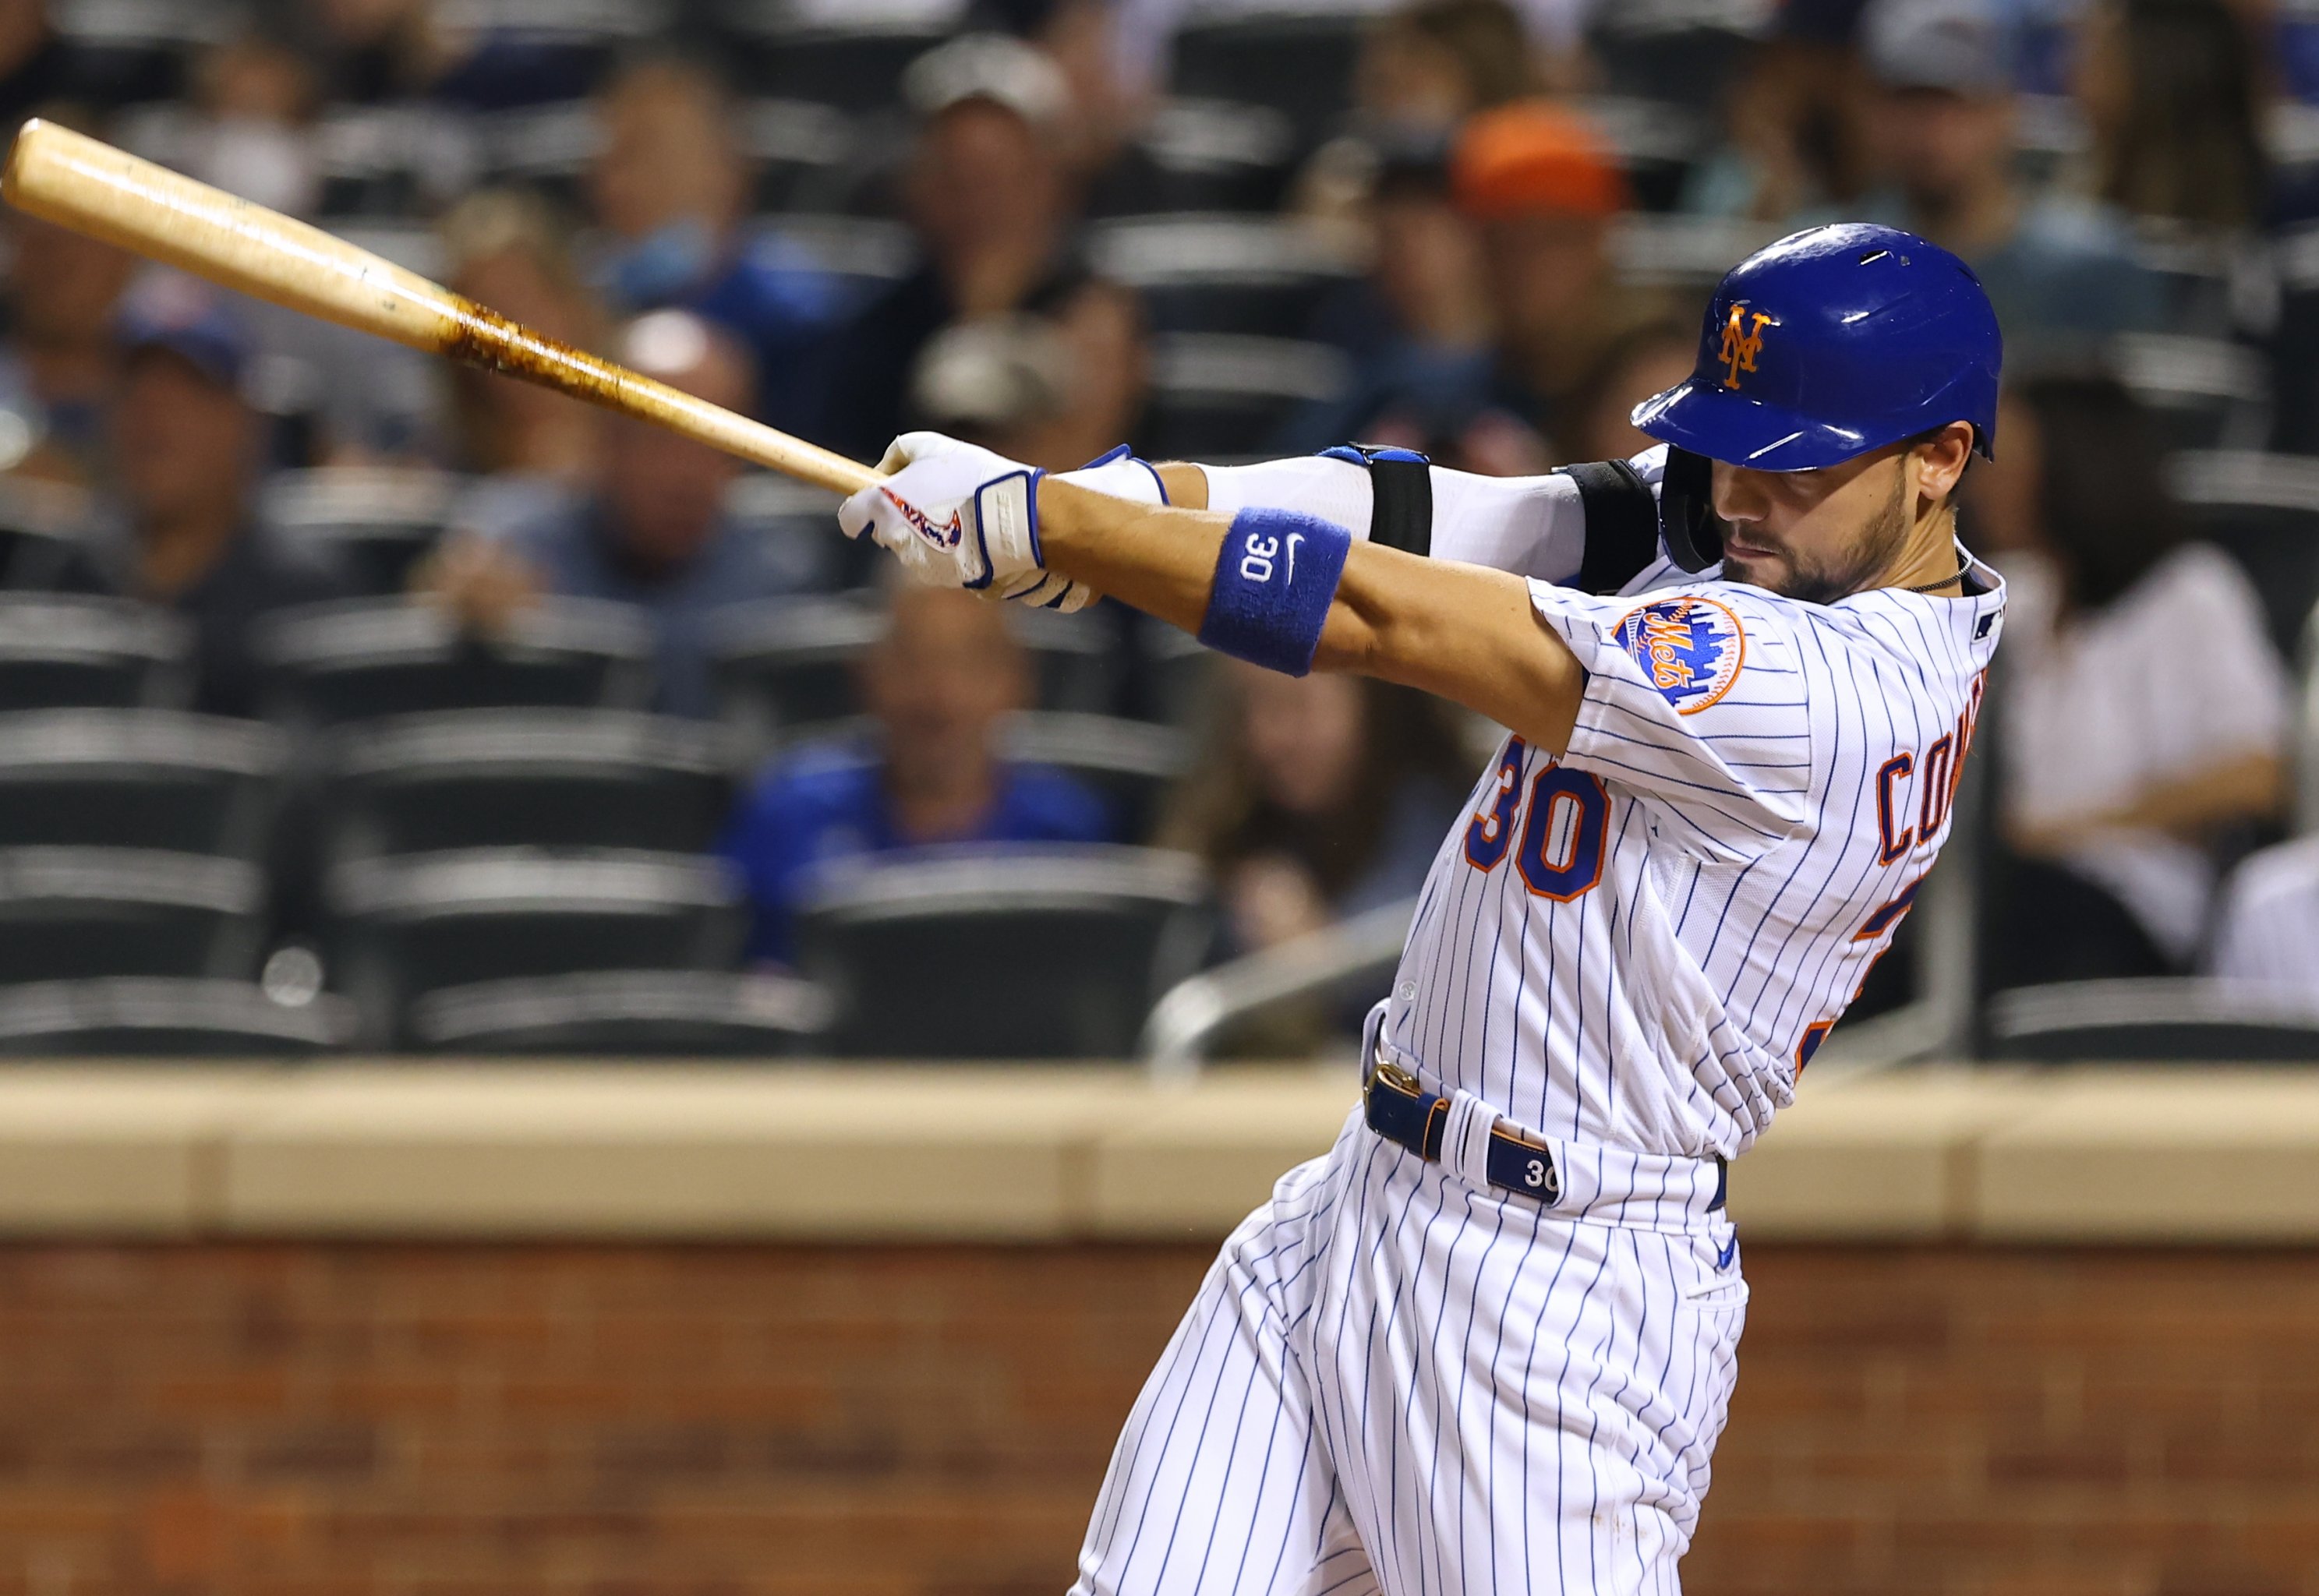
(1939, 459)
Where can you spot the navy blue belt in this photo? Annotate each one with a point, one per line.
(1397, 1108)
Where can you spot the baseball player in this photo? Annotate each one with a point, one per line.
(1487, 1342)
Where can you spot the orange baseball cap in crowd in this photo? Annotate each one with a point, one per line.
(1533, 159)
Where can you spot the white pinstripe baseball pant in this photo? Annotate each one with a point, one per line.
(1395, 1380)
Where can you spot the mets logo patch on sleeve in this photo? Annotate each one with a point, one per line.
(1689, 649)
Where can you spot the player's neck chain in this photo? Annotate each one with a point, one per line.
(1964, 569)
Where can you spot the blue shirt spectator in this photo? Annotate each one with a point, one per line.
(657, 533)
(939, 686)
(828, 805)
(671, 192)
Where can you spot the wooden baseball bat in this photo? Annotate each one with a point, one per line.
(89, 187)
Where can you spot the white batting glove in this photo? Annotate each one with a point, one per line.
(959, 516)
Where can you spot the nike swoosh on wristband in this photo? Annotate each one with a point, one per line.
(1294, 540)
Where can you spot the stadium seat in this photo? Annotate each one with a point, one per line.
(1297, 61)
(1685, 254)
(803, 151)
(70, 652)
(392, 161)
(545, 148)
(1655, 140)
(1006, 953)
(1679, 52)
(130, 1017)
(2164, 1021)
(362, 659)
(785, 665)
(794, 523)
(624, 1013)
(2264, 508)
(2294, 341)
(44, 526)
(857, 65)
(404, 926)
(190, 783)
(1209, 155)
(1223, 396)
(71, 913)
(1179, 674)
(1206, 273)
(1132, 763)
(370, 523)
(130, 51)
(2206, 393)
(862, 254)
(509, 777)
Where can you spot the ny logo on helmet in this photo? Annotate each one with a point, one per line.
(1739, 346)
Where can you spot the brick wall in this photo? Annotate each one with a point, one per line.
(682, 1421)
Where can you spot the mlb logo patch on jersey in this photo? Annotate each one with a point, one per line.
(1691, 649)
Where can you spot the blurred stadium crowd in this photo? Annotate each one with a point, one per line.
(349, 700)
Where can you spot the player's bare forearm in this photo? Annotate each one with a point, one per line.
(1461, 632)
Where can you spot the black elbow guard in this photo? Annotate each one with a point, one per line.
(1628, 522)
(1401, 494)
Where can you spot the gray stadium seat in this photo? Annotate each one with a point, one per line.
(2264, 508)
(509, 777)
(2205, 393)
(1206, 273)
(372, 523)
(1686, 254)
(192, 783)
(1210, 155)
(1007, 952)
(1132, 763)
(802, 151)
(128, 50)
(409, 925)
(69, 653)
(794, 523)
(366, 658)
(1296, 59)
(392, 161)
(1224, 395)
(2180, 1021)
(71, 913)
(132, 1016)
(858, 66)
(624, 1013)
(786, 665)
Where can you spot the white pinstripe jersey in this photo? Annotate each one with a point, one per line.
(1640, 944)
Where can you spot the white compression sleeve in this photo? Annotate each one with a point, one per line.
(1532, 525)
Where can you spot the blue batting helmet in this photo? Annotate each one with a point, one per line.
(1830, 343)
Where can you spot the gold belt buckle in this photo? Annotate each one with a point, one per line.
(1395, 1077)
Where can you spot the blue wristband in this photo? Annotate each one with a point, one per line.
(1275, 577)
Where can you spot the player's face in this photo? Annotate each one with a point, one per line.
(1814, 535)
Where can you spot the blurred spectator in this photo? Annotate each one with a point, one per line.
(57, 362)
(248, 126)
(1417, 326)
(1649, 359)
(2267, 929)
(2059, 271)
(187, 449)
(2141, 706)
(505, 249)
(2169, 92)
(987, 193)
(656, 534)
(1794, 137)
(1050, 393)
(1423, 69)
(1545, 188)
(377, 51)
(938, 687)
(671, 191)
(1147, 27)
(1323, 795)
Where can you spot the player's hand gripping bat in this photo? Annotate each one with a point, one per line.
(79, 183)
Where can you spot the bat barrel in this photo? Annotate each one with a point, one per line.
(89, 187)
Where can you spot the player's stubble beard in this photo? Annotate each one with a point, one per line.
(1859, 567)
